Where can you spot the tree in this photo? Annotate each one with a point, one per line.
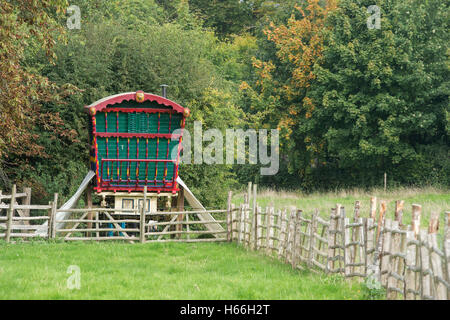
(27, 23)
(383, 93)
(354, 102)
(110, 56)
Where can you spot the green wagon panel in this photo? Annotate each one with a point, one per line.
(137, 122)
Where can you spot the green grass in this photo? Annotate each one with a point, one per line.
(38, 270)
(429, 198)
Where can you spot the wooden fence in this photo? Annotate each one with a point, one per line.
(410, 263)
(98, 224)
(18, 221)
(135, 225)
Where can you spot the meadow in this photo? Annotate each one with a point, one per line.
(39, 270)
(431, 199)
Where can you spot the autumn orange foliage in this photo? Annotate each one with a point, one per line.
(299, 44)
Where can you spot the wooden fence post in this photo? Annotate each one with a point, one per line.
(380, 221)
(385, 240)
(331, 241)
(55, 204)
(255, 211)
(50, 221)
(233, 223)
(312, 238)
(355, 234)
(229, 227)
(410, 267)
(392, 267)
(258, 228)
(282, 234)
(440, 290)
(446, 250)
(425, 270)
(26, 201)
(240, 215)
(341, 244)
(295, 237)
(415, 220)
(10, 214)
(142, 218)
(268, 217)
(373, 208)
(272, 230)
(289, 235)
(347, 247)
(249, 194)
(248, 228)
(399, 211)
(180, 208)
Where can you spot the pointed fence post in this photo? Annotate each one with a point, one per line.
(332, 241)
(446, 250)
(342, 240)
(271, 230)
(249, 194)
(399, 211)
(233, 223)
(268, 228)
(384, 253)
(394, 249)
(282, 235)
(295, 239)
(373, 208)
(410, 267)
(290, 234)
(440, 290)
(425, 266)
(248, 227)
(240, 218)
(415, 221)
(312, 238)
(348, 248)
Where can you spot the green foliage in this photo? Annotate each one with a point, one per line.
(382, 92)
(113, 55)
(378, 101)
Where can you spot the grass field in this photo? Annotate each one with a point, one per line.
(429, 198)
(158, 271)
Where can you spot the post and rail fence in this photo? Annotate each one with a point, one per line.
(98, 224)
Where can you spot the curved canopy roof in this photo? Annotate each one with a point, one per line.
(131, 96)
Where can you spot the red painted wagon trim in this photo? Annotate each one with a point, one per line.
(131, 96)
(137, 135)
(143, 110)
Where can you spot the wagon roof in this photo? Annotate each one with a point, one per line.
(101, 104)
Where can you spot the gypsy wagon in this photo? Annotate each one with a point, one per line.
(135, 142)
